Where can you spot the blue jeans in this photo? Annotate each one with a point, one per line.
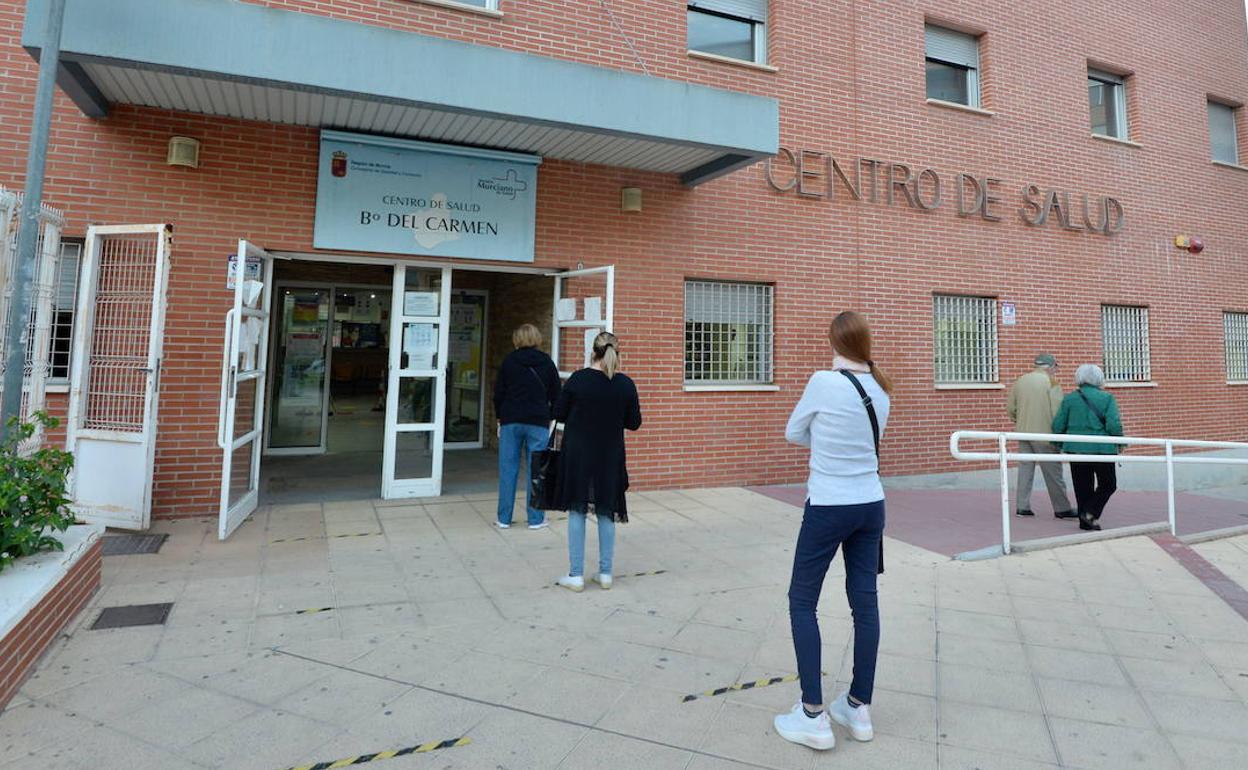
(576, 543)
(857, 530)
(514, 440)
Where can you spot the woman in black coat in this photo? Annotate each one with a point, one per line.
(596, 405)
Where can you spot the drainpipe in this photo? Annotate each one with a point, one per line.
(28, 233)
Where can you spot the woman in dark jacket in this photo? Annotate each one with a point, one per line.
(524, 395)
(1090, 411)
(597, 405)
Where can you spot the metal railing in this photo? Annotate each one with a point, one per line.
(1003, 457)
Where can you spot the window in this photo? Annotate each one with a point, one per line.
(1107, 104)
(1236, 346)
(952, 66)
(1223, 133)
(965, 339)
(64, 299)
(1124, 337)
(736, 29)
(728, 333)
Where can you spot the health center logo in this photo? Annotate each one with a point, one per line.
(509, 185)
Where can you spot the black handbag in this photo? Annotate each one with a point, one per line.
(544, 469)
(875, 436)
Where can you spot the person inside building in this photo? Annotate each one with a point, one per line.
(840, 416)
(1033, 402)
(524, 398)
(596, 406)
(1090, 411)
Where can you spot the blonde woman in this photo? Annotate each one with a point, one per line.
(597, 405)
(524, 396)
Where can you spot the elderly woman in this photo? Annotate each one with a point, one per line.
(1090, 411)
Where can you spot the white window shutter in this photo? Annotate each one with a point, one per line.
(754, 10)
(952, 47)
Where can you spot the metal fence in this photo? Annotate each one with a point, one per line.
(39, 333)
(1002, 456)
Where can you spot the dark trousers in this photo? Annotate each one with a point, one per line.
(1095, 483)
(857, 530)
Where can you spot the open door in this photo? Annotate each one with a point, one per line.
(416, 382)
(118, 333)
(243, 381)
(584, 307)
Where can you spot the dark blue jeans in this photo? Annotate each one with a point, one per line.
(857, 530)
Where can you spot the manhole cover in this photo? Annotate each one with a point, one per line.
(124, 545)
(132, 615)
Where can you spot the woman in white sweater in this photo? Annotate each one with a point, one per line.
(844, 509)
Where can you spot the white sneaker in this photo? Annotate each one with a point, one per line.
(501, 525)
(816, 733)
(576, 584)
(603, 580)
(856, 720)
(543, 525)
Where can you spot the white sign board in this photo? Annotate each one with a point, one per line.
(231, 272)
(420, 303)
(1009, 314)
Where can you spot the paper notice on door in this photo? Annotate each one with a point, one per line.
(249, 342)
(420, 343)
(420, 303)
(565, 309)
(590, 334)
(593, 309)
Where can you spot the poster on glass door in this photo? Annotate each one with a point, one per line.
(396, 196)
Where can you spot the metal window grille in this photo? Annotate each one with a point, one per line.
(728, 333)
(64, 297)
(965, 339)
(38, 332)
(1124, 331)
(1236, 346)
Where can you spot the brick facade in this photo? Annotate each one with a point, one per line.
(850, 80)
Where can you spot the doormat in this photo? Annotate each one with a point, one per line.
(125, 545)
(132, 615)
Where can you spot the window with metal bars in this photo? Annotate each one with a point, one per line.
(1236, 346)
(965, 339)
(1124, 339)
(64, 300)
(728, 333)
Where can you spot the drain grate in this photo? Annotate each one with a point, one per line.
(132, 615)
(125, 545)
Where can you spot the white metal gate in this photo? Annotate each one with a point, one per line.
(118, 338)
(244, 377)
(43, 291)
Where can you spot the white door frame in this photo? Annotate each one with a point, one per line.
(485, 326)
(607, 323)
(232, 516)
(392, 487)
(97, 495)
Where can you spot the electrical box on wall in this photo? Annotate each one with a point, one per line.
(183, 151)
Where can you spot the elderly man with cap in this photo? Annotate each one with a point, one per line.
(1034, 400)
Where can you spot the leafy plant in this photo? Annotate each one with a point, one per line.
(33, 504)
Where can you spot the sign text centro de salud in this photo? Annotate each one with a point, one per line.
(816, 174)
(402, 197)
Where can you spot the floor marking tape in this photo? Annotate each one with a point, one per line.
(322, 537)
(313, 610)
(423, 748)
(642, 574)
(741, 686)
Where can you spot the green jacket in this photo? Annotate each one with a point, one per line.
(1075, 418)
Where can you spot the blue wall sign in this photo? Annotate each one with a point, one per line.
(402, 197)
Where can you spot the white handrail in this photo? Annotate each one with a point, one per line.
(1003, 457)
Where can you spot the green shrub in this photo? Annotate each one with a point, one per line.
(33, 504)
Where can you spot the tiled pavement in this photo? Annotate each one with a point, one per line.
(1104, 655)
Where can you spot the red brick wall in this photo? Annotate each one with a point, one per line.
(21, 649)
(851, 82)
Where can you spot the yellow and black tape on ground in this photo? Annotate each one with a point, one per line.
(362, 759)
(643, 574)
(741, 686)
(313, 610)
(322, 537)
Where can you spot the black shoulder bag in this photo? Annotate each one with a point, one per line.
(875, 436)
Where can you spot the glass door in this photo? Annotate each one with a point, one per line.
(297, 420)
(465, 383)
(416, 389)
